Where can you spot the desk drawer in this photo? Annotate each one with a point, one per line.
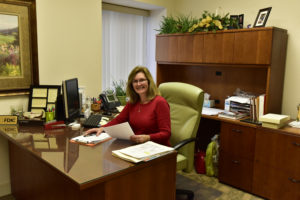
(275, 184)
(278, 150)
(236, 171)
(237, 140)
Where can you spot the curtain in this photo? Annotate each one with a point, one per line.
(124, 42)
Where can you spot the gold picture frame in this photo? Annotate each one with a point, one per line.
(18, 47)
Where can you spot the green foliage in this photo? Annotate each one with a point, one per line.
(180, 24)
(120, 87)
(7, 39)
(168, 25)
(208, 22)
(10, 70)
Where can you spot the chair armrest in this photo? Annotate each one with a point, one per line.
(183, 142)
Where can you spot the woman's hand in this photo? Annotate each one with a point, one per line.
(98, 131)
(140, 138)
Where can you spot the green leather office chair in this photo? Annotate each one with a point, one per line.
(185, 102)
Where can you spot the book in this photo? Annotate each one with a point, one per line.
(91, 140)
(262, 99)
(142, 152)
(274, 118)
(272, 125)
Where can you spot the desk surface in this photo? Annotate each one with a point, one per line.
(74, 171)
(78, 162)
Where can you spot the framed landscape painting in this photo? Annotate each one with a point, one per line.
(17, 69)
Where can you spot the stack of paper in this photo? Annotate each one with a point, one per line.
(232, 115)
(142, 152)
(91, 140)
(276, 121)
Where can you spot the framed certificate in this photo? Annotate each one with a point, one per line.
(43, 98)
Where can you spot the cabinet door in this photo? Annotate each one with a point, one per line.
(237, 140)
(218, 48)
(190, 48)
(275, 184)
(166, 48)
(278, 150)
(253, 47)
(236, 171)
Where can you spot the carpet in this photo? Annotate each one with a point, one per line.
(200, 191)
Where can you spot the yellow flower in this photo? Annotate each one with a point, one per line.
(217, 22)
(203, 21)
(208, 19)
(220, 27)
(201, 24)
(207, 25)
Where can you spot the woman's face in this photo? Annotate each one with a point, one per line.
(140, 84)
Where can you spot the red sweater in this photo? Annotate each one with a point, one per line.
(152, 119)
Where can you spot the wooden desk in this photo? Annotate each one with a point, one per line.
(45, 165)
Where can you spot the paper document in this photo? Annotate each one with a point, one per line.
(91, 139)
(120, 131)
(145, 150)
(239, 99)
(211, 111)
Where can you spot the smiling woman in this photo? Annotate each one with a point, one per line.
(146, 111)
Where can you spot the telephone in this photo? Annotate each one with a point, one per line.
(109, 101)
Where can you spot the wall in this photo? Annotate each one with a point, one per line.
(69, 45)
(284, 15)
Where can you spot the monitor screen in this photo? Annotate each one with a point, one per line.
(71, 99)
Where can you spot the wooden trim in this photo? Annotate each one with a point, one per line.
(125, 9)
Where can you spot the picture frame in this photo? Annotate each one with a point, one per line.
(236, 18)
(262, 17)
(241, 20)
(18, 47)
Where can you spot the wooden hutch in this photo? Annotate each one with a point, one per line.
(219, 63)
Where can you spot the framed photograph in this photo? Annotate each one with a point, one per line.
(262, 17)
(235, 21)
(241, 20)
(18, 47)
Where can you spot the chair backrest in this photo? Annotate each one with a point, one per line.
(185, 102)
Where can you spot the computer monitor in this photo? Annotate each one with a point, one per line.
(71, 99)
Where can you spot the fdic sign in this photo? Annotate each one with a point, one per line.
(8, 119)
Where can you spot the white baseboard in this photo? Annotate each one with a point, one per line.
(5, 189)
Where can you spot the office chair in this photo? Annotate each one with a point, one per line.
(185, 102)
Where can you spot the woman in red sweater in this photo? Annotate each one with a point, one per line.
(147, 112)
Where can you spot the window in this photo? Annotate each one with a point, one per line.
(124, 41)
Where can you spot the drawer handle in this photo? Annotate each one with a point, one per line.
(236, 162)
(296, 144)
(294, 180)
(236, 130)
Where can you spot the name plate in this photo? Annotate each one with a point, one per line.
(8, 119)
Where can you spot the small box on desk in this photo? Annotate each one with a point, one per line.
(209, 103)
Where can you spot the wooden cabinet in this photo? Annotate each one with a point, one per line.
(219, 63)
(277, 164)
(252, 60)
(236, 155)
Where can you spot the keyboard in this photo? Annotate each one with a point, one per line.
(93, 121)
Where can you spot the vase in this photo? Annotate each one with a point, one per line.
(122, 100)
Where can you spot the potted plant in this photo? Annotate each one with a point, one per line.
(120, 90)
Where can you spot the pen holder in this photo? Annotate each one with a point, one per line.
(49, 116)
(95, 107)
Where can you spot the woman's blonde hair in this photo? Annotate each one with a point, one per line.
(152, 89)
